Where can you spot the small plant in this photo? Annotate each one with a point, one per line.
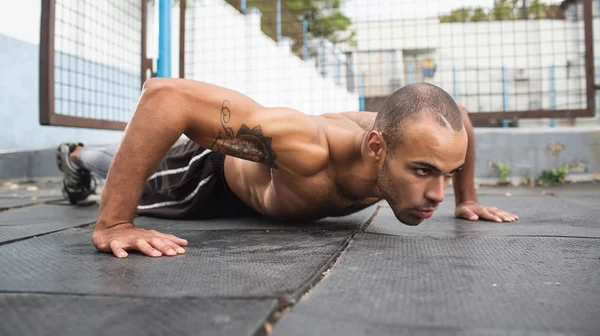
(554, 176)
(527, 180)
(503, 172)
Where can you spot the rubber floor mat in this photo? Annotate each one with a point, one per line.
(66, 315)
(40, 219)
(354, 221)
(216, 263)
(538, 216)
(7, 203)
(465, 285)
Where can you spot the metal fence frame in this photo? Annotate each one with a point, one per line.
(46, 83)
(48, 117)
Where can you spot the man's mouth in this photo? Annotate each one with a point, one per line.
(426, 213)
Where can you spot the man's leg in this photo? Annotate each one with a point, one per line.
(77, 162)
(96, 160)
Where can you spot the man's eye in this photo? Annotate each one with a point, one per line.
(451, 174)
(422, 172)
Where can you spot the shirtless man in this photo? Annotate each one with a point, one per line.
(245, 159)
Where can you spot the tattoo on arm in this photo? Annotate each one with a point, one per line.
(248, 144)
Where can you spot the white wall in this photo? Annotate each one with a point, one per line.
(228, 48)
(479, 51)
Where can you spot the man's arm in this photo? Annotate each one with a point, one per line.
(217, 118)
(463, 181)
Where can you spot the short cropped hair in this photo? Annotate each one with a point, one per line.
(411, 102)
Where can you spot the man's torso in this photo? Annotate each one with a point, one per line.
(280, 194)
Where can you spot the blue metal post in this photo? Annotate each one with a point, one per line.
(361, 93)
(455, 79)
(411, 73)
(305, 39)
(504, 94)
(552, 95)
(278, 20)
(164, 39)
(243, 6)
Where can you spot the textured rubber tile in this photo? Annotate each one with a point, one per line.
(576, 189)
(538, 216)
(7, 203)
(509, 285)
(354, 221)
(39, 219)
(216, 263)
(589, 201)
(40, 315)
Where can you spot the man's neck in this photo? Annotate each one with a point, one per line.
(358, 178)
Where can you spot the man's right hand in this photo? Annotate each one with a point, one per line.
(125, 237)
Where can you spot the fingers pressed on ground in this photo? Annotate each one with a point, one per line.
(162, 245)
(174, 246)
(143, 246)
(176, 240)
(491, 216)
(117, 249)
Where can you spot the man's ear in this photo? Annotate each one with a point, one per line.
(376, 146)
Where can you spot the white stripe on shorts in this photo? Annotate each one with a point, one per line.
(179, 170)
(169, 203)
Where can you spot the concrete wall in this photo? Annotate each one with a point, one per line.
(19, 104)
(529, 151)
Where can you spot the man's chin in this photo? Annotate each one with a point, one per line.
(410, 220)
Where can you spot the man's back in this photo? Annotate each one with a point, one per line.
(289, 196)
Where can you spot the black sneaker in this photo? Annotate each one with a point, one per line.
(77, 181)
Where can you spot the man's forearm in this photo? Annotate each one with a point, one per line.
(153, 129)
(464, 180)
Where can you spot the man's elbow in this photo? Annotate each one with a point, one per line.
(159, 86)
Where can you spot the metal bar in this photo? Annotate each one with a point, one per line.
(532, 114)
(278, 20)
(70, 121)
(304, 39)
(552, 94)
(182, 9)
(598, 92)
(361, 91)
(146, 64)
(47, 62)
(589, 56)
(164, 39)
(504, 94)
(455, 80)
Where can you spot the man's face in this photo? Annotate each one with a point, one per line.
(413, 179)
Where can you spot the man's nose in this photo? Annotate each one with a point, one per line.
(435, 190)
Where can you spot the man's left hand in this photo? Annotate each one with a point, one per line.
(473, 211)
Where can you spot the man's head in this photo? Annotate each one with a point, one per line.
(418, 141)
